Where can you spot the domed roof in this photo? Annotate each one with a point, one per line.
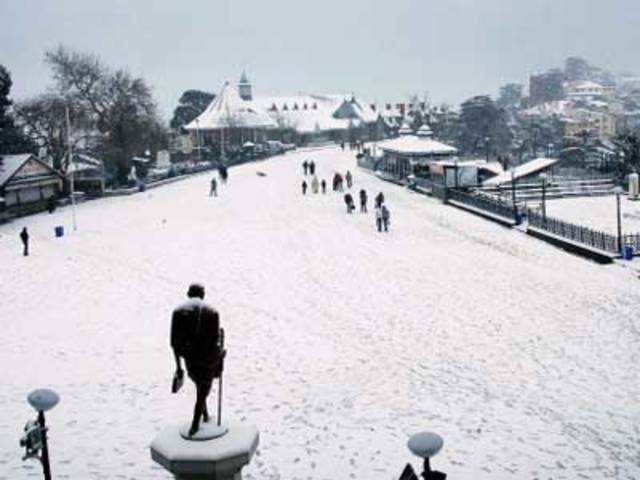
(424, 131)
(405, 129)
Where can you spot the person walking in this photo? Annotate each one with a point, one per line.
(315, 185)
(342, 145)
(24, 236)
(385, 217)
(363, 201)
(304, 187)
(379, 199)
(312, 168)
(379, 218)
(349, 179)
(305, 167)
(223, 173)
(348, 200)
(214, 188)
(340, 182)
(323, 184)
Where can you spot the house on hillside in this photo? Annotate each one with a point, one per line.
(27, 184)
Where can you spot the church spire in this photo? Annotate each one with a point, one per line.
(244, 87)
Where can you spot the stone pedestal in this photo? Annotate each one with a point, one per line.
(221, 458)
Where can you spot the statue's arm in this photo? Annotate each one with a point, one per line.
(173, 336)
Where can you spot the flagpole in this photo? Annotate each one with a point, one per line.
(70, 165)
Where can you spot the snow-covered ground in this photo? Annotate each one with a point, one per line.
(342, 341)
(599, 213)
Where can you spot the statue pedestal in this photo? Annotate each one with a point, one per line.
(221, 458)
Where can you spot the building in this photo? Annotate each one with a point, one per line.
(26, 184)
(412, 153)
(88, 174)
(237, 115)
(587, 90)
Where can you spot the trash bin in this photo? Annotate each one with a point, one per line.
(627, 252)
(519, 218)
(59, 231)
(142, 187)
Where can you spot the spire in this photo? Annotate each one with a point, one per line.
(244, 87)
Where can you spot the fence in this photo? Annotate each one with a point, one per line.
(578, 233)
(484, 202)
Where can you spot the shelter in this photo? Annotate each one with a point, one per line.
(27, 184)
(409, 153)
(521, 172)
(88, 174)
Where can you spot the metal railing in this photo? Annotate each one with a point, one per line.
(487, 203)
(578, 233)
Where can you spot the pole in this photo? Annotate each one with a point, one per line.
(513, 196)
(619, 223)
(71, 163)
(46, 467)
(544, 202)
(198, 138)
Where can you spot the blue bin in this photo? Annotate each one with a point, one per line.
(59, 231)
(627, 252)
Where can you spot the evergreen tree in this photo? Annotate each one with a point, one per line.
(12, 139)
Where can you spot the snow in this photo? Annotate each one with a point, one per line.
(228, 109)
(342, 341)
(599, 213)
(415, 145)
(521, 171)
(9, 165)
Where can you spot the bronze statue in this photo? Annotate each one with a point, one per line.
(196, 336)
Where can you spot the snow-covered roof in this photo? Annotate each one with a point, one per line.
(82, 162)
(415, 145)
(424, 131)
(530, 168)
(228, 109)
(405, 129)
(10, 164)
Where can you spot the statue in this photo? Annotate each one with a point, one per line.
(197, 338)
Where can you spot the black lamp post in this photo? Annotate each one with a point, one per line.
(35, 437)
(486, 146)
(513, 195)
(618, 192)
(543, 177)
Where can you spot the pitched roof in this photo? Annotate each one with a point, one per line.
(10, 164)
(228, 109)
(414, 145)
(530, 168)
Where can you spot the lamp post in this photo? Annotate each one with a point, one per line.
(513, 195)
(486, 146)
(618, 191)
(543, 177)
(71, 166)
(35, 437)
(550, 150)
(455, 172)
(198, 140)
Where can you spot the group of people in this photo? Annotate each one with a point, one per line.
(382, 214)
(223, 173)
(357, 145)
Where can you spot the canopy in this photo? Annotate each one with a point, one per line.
(416, 146)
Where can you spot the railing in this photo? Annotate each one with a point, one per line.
(578, 233)
(483, 202)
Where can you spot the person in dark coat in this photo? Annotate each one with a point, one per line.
(342, 145)
(386, 216)
(214, 188)
(379, 199)
(348, 200)
(304, 187)
(323, 185)
(24, 236)
(195, 337)
(305, 167)
(363, 201)
(339, 182)
(312, 168)
(378, 214)
(223, 173)
(349, 178)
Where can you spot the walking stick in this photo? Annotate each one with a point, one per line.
(223, 354)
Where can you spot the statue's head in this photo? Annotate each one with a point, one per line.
(196, 291)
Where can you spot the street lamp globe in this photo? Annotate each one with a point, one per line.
(618, 190)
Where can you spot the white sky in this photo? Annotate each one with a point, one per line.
(381, 50)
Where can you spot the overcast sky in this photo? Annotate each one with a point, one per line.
(381, 50)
